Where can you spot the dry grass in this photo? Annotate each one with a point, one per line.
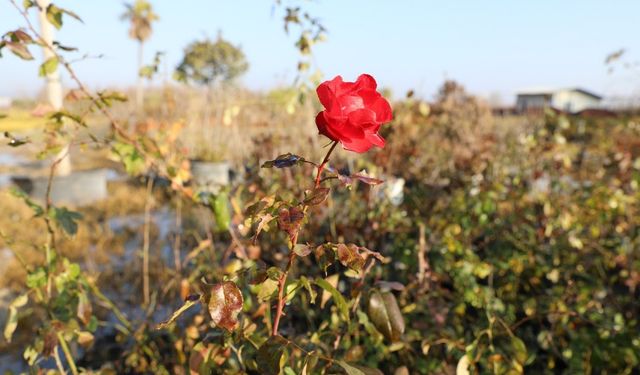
(94, 244)
(20, 120)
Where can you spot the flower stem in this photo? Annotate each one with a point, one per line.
(282, 281)
(324, 163)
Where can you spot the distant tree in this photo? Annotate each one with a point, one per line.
(207, 63)
(140, 16)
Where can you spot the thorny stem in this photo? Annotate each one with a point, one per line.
(282, 281)
(324, 163)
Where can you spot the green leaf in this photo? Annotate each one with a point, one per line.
(14, 141)
(520, 349)
(266, 290)
(59, 116)
(338, 299)
(302, 250)
(64, 48)
(284, 161)
(37, 209)
(71, 14)
(133, 161)
(219, 204)
(146, 72)
(28, 4)
(48, 67)
(37, 278)
(19, 50)
(54, 16)
(12, 319)
(108, 97)
(358, 370)
(188, 303)
(307, 285)
(272, 355)
(31, 355)
(225, 305)
(385, 315)
(66, 219)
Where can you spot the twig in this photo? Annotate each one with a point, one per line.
(178, 239)
(107, 302)
(67, 353)
(51, 234)
(59, 361)
(145, 243)
(423, 264)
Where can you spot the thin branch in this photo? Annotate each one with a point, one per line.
(98, 102)
(67, 353)
(146, 239)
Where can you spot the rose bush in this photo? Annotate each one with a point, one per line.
(354, 112)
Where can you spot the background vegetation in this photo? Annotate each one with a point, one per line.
(509, 245)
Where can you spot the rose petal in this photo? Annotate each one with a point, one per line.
(365, 81)
(357, 145)
(383, 111)
(375, 139)
(350, 131)
(326, 96)
(362, 118)
(350, 103)
(324, 128)
(375, 102)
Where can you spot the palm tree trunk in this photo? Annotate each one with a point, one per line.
(53, 86)
(140, 84)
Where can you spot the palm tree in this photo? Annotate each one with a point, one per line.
(140, 15)
(53, 88)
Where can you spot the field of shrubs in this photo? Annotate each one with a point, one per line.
(348, 232)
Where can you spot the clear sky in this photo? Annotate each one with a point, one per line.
(490, 46)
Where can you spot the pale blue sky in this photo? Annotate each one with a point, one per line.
(495, 46)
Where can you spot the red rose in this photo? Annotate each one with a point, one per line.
(353, 112)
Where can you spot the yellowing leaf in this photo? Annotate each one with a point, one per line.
(12, 319)
(48, 67)
(358, 370)
(225, 305)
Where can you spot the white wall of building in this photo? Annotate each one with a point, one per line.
(568, 100)
(5, 102)
(573, 101)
